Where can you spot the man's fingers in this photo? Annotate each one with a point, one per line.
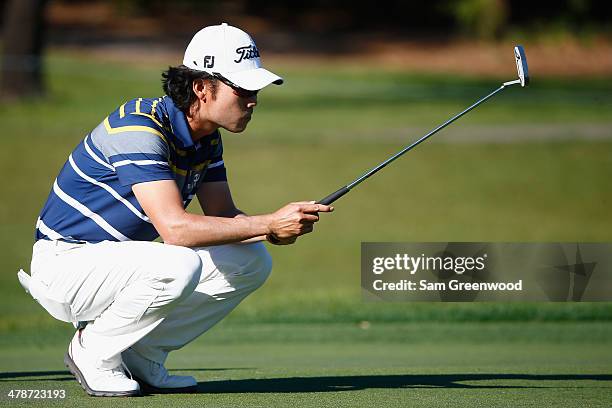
(315, 208)
(312, 207)
(309, 218)
(298, 218)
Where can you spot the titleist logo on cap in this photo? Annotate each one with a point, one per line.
(246, 52)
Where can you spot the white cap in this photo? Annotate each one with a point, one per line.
(230, 52)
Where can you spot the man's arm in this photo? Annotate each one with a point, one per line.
(162, 203)
(216, 200)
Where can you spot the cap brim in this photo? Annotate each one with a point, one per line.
(253, 79)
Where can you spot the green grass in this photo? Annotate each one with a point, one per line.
(320, 130)
(421, 365)
(297, 339)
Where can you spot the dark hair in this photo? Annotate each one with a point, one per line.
(177, 83)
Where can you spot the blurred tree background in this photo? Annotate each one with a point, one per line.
(298, 27)
(23, 44)
(484, 19)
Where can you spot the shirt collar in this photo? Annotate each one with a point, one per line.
(178, 123)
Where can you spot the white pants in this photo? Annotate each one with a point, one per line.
(149, 296)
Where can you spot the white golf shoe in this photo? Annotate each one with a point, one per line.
(98, 382)
(154, 376)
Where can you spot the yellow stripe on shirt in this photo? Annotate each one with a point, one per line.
(177, 170)
(155, 102)
(146, 115)
(139, 128)
(200, 166)
(131, 128)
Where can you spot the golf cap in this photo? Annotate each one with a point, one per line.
(231, 53)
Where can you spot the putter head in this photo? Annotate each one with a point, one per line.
(521, 65)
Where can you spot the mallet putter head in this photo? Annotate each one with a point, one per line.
(521, 65)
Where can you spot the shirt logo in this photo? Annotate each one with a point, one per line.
(246, 52)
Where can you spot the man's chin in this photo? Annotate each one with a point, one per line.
(237, 128)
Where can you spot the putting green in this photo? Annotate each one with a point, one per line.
(425, 364)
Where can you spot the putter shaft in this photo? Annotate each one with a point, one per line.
(345, 189)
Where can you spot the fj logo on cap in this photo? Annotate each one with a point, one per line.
(247, 52)
(209, 61)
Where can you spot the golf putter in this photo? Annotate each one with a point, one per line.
(523, 80)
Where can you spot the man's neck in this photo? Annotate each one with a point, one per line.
(199, 128)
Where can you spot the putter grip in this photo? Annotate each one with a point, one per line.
(334, 196)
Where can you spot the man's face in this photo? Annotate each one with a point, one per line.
(230, 109)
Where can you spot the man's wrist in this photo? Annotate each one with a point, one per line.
(261, 224)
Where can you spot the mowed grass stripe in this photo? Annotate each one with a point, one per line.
(435, 365)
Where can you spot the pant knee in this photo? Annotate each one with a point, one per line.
(260, 267)
(183, 273)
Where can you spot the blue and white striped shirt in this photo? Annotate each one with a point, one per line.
(143, 140)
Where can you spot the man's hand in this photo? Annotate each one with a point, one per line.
(293, 220)
(162, 202)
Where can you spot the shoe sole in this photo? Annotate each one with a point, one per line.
(150, 389)
(69, 362)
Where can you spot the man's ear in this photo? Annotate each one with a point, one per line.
(199, 89)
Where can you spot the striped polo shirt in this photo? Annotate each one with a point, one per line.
(143, 140)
